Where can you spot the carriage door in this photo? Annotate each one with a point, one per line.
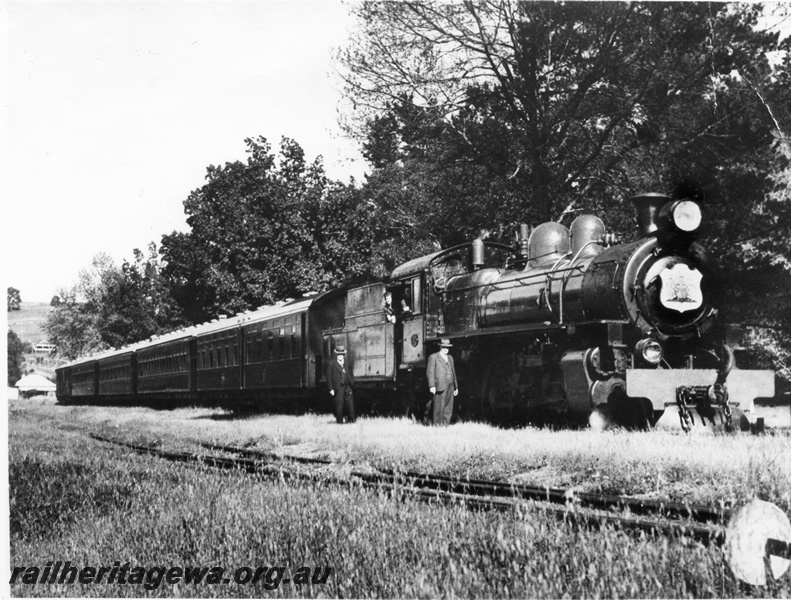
(413, 331)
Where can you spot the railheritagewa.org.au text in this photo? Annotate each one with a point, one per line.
(151, 578)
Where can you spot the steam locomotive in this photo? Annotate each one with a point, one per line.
(568, 325)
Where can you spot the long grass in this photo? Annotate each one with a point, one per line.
(76, 499)
(727, 469)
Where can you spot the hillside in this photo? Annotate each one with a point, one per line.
(28, 322)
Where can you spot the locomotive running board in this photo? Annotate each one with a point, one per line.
(659, 385)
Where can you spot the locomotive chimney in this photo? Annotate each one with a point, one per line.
(648, 206)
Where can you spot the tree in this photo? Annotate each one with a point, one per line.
(112, 306)
(55, 301)
(14, 299)
(73, 327)
(263, 230)
(15, 358)
(565, 106)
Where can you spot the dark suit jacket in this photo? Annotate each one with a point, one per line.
(441, 374)
(336, 377)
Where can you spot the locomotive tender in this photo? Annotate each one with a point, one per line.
(569, 325)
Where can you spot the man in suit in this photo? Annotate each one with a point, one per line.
(341, 383)
(442, 382)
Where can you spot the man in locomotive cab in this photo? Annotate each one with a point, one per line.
(340, 380)
(442, 383)
(387, 307)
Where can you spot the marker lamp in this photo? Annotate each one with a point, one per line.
(650, 350)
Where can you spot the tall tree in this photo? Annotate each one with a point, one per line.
(262, 230)
(567, 105)
(73, 327)
(14, 299)
(15, 349)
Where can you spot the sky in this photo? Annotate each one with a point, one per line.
(114, 109)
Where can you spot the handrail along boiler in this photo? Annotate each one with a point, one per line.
(566, 325)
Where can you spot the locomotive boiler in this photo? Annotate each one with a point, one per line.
(577, 326)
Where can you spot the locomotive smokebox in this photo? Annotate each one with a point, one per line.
(647, 207)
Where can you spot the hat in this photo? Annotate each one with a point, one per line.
(445, 343)
(340, 349)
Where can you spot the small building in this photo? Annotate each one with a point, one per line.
(34, 384)
(44, 346)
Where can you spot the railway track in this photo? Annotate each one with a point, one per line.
(699, 522)
(758, 534)
(479, 487)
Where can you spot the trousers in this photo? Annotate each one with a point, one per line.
(443, 406)
(344, 405)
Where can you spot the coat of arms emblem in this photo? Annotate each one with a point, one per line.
(681, 288)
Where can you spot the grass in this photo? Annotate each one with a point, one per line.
(726, 469)
(76, 499)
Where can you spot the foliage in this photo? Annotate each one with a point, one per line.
(14, 299)
(261, 231)
(15, 350)
(532, 111)
(112, 306)
(55, 301)
(72, 327)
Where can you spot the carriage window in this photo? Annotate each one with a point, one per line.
(293, 341)
(260, 345)
(271, 344)
(282, 342)
(227, 356)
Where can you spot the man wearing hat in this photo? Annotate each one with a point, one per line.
(441, 375)
(341, 383)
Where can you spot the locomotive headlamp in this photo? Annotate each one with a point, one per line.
(685, 216)
(650, 350)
